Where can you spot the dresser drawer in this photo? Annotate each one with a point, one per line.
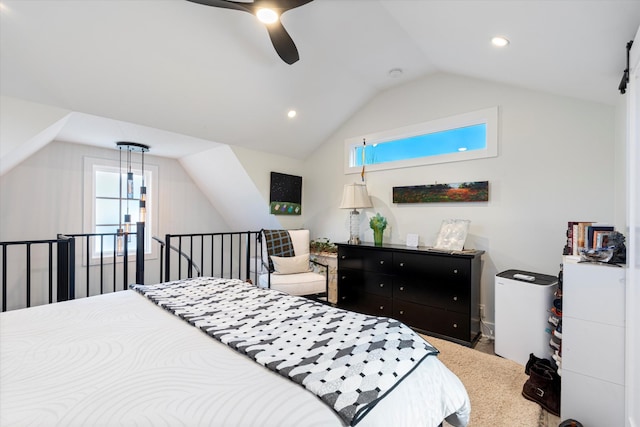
(359, 281)
(350, 288)
(365, 259)
(432, 319)
(435, 268)
(450, 297)
(367, 303)
(350, 258)
(379, 284)
(379, 262)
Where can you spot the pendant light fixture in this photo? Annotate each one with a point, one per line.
(130, 147)
(120, 233)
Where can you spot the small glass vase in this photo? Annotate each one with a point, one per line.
(377, 237)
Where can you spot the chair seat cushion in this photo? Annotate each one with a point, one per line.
(295, 284)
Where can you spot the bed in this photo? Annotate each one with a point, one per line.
(187, 353)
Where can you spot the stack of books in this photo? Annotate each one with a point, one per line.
(586, 235)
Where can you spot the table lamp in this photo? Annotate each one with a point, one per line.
(355, 197)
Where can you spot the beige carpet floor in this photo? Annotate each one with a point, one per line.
(494, 385)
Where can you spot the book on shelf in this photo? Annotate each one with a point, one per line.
(586, 235)
(601, 239)
(568, 247)
(582, 234)
(591, 242)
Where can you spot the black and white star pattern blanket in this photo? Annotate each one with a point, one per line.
(349, 360)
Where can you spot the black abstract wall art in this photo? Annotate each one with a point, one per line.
(286, 194)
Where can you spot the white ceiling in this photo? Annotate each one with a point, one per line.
(153, 70)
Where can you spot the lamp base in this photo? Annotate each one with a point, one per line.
(354, 227)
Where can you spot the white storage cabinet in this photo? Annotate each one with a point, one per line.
(593, 330)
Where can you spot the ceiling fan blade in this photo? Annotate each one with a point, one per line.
(283, 43)
(280, 5)
(225, 4)
(281, 40)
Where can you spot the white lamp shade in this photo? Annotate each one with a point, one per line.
(355, 196)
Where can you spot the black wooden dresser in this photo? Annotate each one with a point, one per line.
(436, 292)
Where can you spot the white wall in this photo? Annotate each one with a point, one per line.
(556, 164)
(26, 128)
(258, 167)
(237, 181)
(43, 195)
(221, 177)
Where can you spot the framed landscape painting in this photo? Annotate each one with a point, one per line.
(477, 191)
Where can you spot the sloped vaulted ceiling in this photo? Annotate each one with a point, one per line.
(212, 74)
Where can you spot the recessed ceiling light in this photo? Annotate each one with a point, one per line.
(500, 41)
(267, 16)
(291, 114)
(395, 73)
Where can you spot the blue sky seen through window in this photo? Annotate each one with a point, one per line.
(467, 138)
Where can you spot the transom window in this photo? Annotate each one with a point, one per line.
(462, 137)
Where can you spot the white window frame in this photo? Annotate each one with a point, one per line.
(487, 116)
(91, 166)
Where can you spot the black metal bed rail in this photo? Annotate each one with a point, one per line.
(27, 253)
(103, 265)
(223, 254)
(164, 247)
(76, 265)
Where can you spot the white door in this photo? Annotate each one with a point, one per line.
(632, 377)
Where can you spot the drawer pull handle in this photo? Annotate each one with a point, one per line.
(344, 277)
(402, 264)
(402, 288)
(455, 298)
(382, 307)
(343, 257)
(455, 325)
(455, 271)
(344, 298)
(382, 285)
(401, 311)
(381, 262)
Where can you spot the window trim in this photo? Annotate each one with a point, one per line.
(92, 164)
(488, 116)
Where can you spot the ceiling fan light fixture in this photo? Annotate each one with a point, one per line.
(267, 16)
(267, 12)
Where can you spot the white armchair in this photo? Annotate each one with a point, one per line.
(287, 267)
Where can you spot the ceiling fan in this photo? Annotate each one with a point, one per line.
(268, 12)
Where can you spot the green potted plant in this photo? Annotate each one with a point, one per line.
(322, 244)
(378, 223)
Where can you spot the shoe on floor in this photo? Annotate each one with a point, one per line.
(533, 360)
(543, 387)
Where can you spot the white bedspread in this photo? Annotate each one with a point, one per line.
(117, 359)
